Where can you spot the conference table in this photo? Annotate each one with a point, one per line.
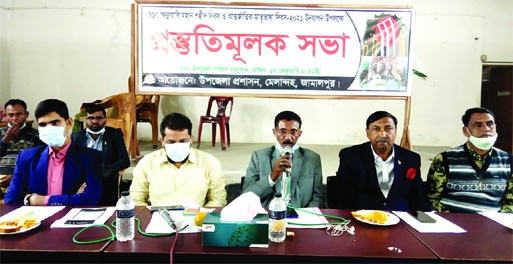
(46, 244)
(369, 244)
(484, 241)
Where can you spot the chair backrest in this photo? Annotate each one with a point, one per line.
(222, 103)
(149, 99)
(147, 106)
(332, 188)
(118, 109)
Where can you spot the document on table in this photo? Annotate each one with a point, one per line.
(42, 212)
(442, 225)
(501, 218)
(184, 224)
(307, 217)
(84, 217)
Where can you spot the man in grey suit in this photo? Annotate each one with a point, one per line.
(265, 169)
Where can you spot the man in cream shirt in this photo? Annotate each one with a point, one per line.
(178, 172)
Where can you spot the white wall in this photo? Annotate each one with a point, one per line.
(4, 51)
(79, 51)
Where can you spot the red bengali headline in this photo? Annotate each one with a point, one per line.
(181, 42)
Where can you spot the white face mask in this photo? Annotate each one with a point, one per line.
(53, 136)
(485, 143)
(178, 152)
(95, 132)
(24, 125)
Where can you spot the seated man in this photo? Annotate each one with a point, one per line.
(378, 174)
(265, 169)
(178, 172)
(475, 176)
(15, 137)
(110, 142)
(62, 173)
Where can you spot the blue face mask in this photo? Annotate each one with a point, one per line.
(53, 136)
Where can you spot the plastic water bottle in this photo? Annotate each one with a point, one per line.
(277, 219)
(125, 217)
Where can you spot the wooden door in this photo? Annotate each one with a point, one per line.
(501, 104)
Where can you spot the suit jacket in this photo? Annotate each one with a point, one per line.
(114, 155)
(81, 165)
(306, 177)
(359, 187)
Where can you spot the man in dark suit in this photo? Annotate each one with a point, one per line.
(110, 142)
(378, 174)
(61, 173)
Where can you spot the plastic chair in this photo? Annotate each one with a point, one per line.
(220, 118)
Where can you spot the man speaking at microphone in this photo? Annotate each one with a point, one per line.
(268, 166)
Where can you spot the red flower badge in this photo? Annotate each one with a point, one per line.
(410, 173)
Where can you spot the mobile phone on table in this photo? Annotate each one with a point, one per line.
(422, 217)
(167, 207)
(291, 213)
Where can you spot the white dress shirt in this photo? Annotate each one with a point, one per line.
(384, 171)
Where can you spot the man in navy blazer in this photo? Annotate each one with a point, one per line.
(378, 174)
(61, 173)
(110, 142)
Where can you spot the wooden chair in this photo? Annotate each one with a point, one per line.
(220, 118)
(147, 110)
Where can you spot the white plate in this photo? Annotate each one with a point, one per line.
(23, 230)
(392, 219)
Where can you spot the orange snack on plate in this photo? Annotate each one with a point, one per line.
(9, 226)
(371, 216)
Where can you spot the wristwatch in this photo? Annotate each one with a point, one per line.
(26, 200)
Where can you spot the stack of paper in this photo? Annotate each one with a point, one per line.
(83, 217)
(442, 225)
(308, 218)
(501, 218)
(158, 225)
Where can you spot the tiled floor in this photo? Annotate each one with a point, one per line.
(236, 158)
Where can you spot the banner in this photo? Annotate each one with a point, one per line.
(270, 50)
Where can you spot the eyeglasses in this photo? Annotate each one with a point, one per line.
(93, 118)
(478, 125)
(292, 132)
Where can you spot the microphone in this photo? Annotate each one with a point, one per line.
(287, 151)
(165, 215)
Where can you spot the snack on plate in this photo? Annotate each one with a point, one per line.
(24, 221)
(27, 220)
(371, 216)
(9, 226)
